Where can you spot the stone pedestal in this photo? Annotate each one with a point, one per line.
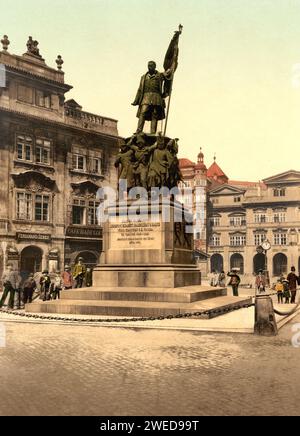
(150, 249)
(147, 269)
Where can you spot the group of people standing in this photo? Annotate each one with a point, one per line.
(49, 285)
(286, 288)
(219, 279)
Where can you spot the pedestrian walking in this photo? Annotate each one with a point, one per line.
(28, 289)
(279, 288)
(67, 278)
(234, 281)
(260, 282)
(11, 281)
(286, 291)
(293, 280)
(79, 273)
(45, 282)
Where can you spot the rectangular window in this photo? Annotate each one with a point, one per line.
(215, 241)
(260, 218)
(24, 206)
(96, 165)
(279, 217)
(43, 99)
(78, 212)
(280, 239)
(24, 148)
(238, 240)
(259, 238)
(25, 94)
(215, 221)
(79, 162)
(279, 192)
(237, 221)
(41, 208)
(92, 212)
(42, 151)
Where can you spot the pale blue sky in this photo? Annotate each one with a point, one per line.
(233, 91)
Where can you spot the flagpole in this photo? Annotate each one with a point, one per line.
(171, 89)
(168, 108)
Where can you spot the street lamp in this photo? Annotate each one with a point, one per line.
(266, 246)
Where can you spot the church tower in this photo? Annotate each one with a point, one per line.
(200, 201)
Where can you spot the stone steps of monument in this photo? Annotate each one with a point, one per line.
(188, 294)
(214, 307)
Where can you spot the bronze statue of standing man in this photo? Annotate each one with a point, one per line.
(150, 97)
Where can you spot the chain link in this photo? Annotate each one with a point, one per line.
(127, 320)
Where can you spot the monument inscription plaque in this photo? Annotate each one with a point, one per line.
(135, 235)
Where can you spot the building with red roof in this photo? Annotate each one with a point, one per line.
(240, 215)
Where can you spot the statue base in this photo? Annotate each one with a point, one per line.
(148, 251)
(147, 269)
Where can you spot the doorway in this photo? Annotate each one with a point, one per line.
(31, 260)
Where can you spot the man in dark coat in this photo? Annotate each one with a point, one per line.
(234, 282)
(45, 283)
(28, 289)
(150, 97)
(293, 282)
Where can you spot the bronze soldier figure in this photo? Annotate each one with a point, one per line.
(125, 160)
(150, 97)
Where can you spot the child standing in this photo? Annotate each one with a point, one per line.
(279, 289)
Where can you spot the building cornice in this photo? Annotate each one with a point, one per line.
(270, 204)
(20, 72)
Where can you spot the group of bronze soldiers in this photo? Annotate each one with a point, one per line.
(147, 165)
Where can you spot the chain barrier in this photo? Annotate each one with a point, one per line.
(291, 312)
(278, 312)
(127, 320)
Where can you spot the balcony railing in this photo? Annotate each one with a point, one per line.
(85, 116)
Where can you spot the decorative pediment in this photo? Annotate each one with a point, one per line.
(287, 178)
(237, 214)
(227, 190)
(34, 181)
(85, 188)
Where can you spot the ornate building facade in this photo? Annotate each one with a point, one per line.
(243, 216)
(54, 157)
(240, 216)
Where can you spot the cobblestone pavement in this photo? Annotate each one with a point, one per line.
(82, 370)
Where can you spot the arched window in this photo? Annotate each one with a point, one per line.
(216, 262)
(237, 262)
(31, 260)
(259, 262)
(279, 264)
